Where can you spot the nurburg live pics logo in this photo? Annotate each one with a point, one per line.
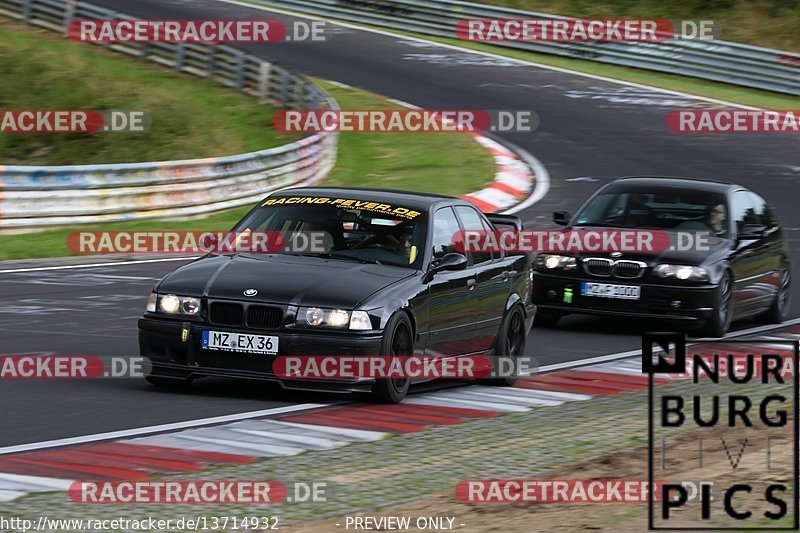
(735, 404)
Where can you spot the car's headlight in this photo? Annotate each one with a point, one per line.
(553, 262)
(333, 318)
(174, 305)
(682, 272)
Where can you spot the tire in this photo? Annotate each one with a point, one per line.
(547, 318)
(169, 383)
(718, 325)
(780, 304)
(510, 342)
(398, 340)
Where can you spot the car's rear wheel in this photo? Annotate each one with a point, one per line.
(398, 341)
(720, 321)
(780, 304)
(510, 342)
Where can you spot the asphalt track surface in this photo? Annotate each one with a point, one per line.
(591, 131)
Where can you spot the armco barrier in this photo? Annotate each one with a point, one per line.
(32, 197)
(737, 64)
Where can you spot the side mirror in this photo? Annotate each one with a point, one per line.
(752, 232)
(451, 261)
(561, 217)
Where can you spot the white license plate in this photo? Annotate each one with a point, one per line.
(608, 290)
(239, 342)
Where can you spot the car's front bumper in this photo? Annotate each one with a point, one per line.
(173, 349)
(690, 306)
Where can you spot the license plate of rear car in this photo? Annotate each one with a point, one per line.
(609, 290)
(240, 342)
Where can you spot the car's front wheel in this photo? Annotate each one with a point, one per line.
(720, 321)
(398, 341)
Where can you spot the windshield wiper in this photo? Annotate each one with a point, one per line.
(600, 225)
(334, 255)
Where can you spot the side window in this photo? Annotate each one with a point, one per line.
(743, 210)
(445, 227)
(762, 212)
(472, 221)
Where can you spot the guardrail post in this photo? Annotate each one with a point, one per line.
(240, 71)
(263, 82)
(180, 56)
(211, 61)
(285, 88)
(69, 14)
(27, 7)
(313, 100)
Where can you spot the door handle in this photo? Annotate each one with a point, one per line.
(471, 284)
(506, 275)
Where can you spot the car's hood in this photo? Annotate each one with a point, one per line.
(282, 279)
(710, 249)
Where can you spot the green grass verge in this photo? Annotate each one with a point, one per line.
(191, 117)
(449, 163)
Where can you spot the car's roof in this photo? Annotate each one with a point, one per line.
(418, 200)
(675, 182)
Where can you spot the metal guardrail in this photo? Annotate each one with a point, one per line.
(51, 196)
(723, 61)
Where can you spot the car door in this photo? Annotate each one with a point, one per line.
(451, 295)
(747, 257)
(769, 253)
(493, 282)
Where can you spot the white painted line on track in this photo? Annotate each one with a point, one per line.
(633, 353)
(159, 428)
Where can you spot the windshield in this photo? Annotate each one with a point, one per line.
(667, 209)
(342, 228)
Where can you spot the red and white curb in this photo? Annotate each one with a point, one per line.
(513, 181)
(322, 427)
(514, 177)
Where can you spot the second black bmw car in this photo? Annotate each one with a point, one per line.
(389, 282)
(743, 271)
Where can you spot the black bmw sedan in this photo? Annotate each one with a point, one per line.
(387, 281)
(735, 265)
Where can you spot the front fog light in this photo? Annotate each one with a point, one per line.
(360, 320)
(314, 316)
(338, 318)
(170, 303)
(190, 306)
